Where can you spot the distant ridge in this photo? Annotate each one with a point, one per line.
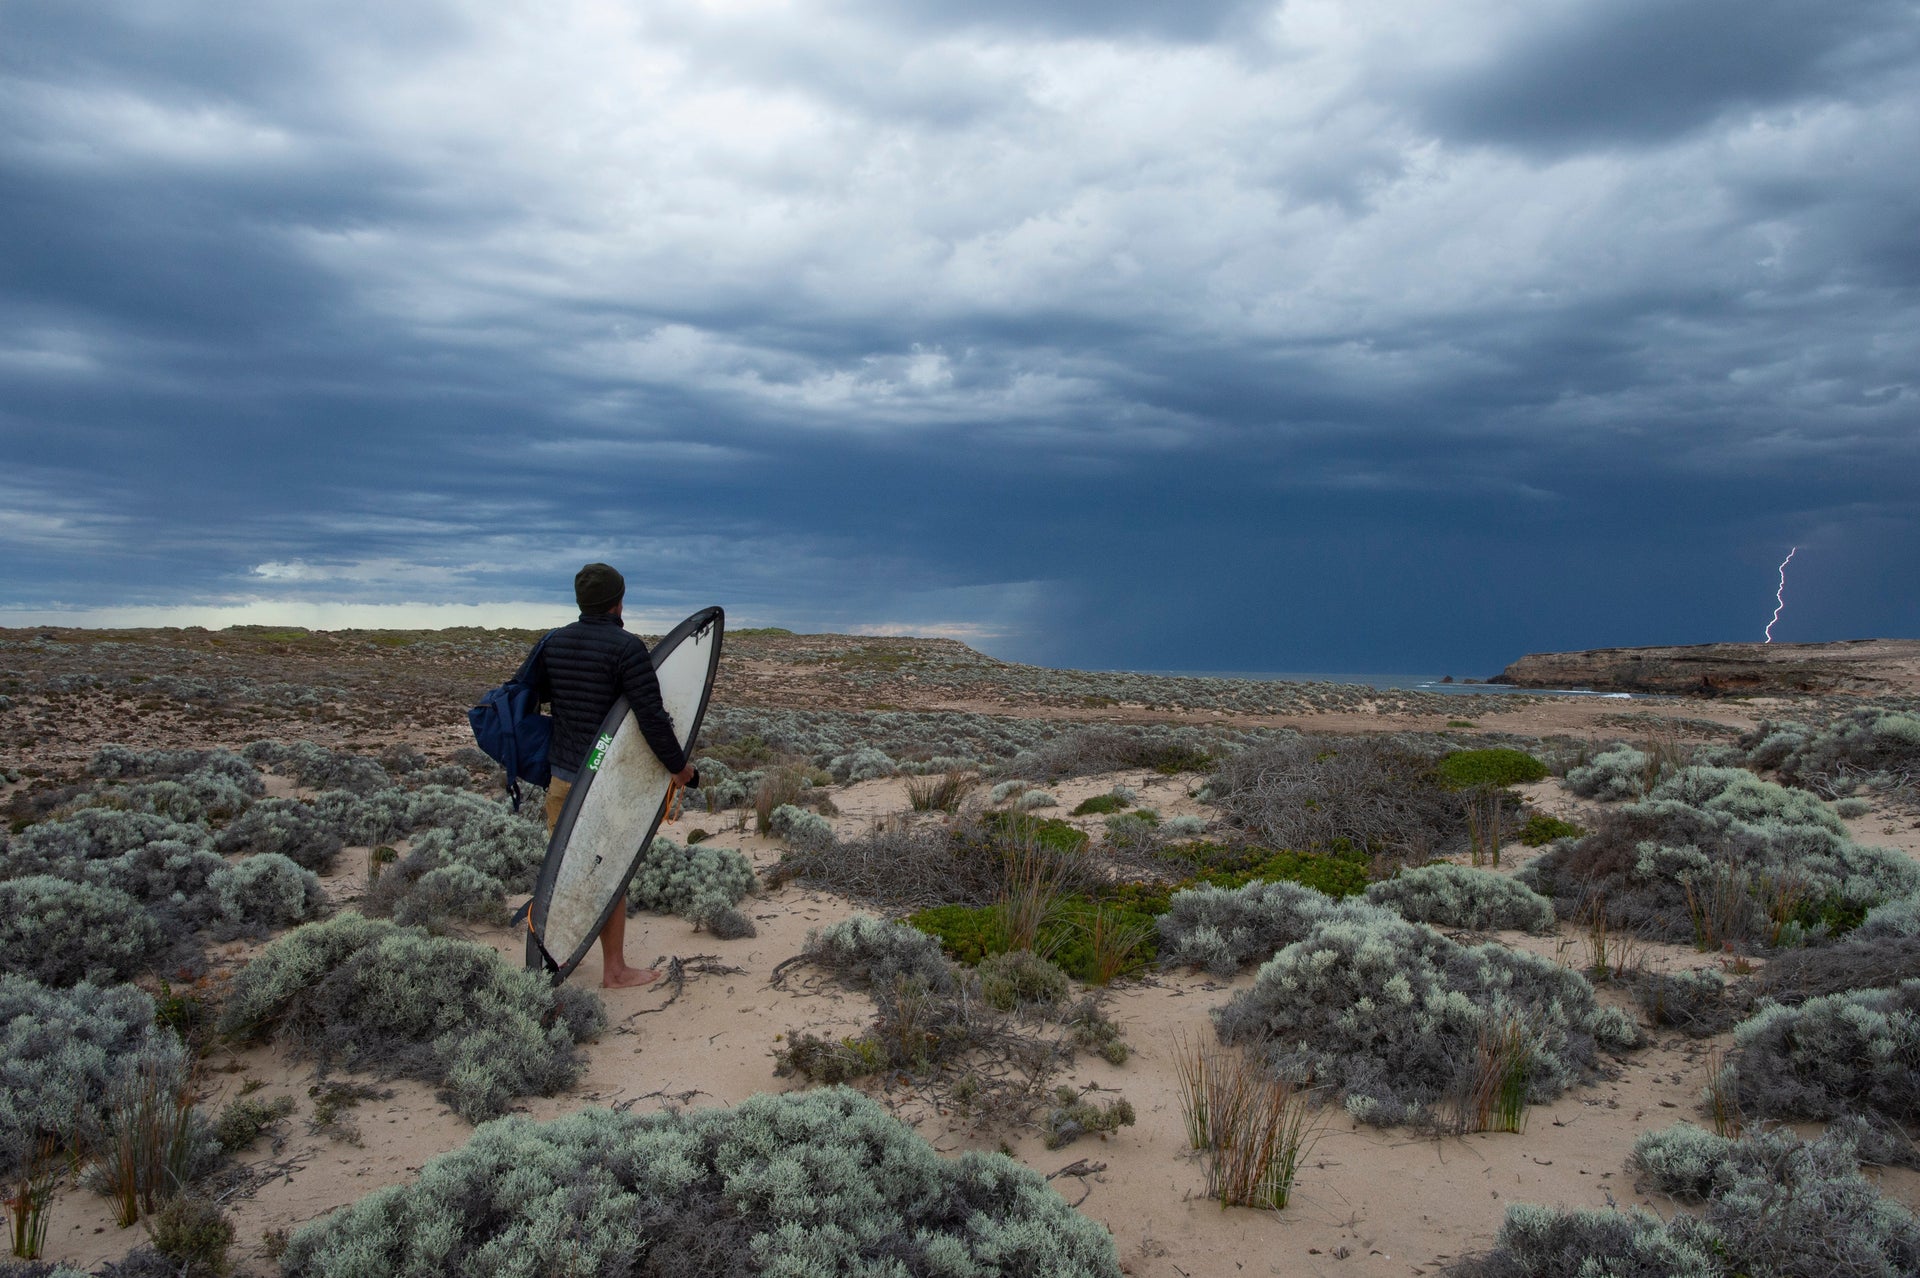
(1865, 667)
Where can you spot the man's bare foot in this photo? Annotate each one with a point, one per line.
(628, 977)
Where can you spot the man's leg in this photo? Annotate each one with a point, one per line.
(614, 972)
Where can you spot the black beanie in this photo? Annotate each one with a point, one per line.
(598, 587)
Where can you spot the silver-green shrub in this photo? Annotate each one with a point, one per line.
(1701, 827)
(1019, 979)
(1770, 1204)
(318, 768)
(1616, 774)
(1852, 1053)
(262, 894)
(60, 1051)
(92, 834)
(122, 763)
(699, 883)
(367, 994)
(1391, 1013)
(799, 826)
(1224, 929)
(815, 1183)
(1891, 919)
(863, 764)
(866, 951)
(61, 933)
(364, 820)
(286, 826)
(1874, 745)
(1448, 895)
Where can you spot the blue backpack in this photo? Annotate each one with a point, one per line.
(509, 728)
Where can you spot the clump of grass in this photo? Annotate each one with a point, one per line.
(1252, 1129)
(942, 793)
(29, 1195)
(1492, 1095)
(1117, 939)
(154, 1143)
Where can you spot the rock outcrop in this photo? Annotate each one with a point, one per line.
(1861, 666)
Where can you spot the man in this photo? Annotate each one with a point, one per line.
(582, 671)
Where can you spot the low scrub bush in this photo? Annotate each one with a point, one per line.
(1089, 938)
(461, 873)
(1718, 856)
(1854, 1053)
(815, 1182)
(1769, 1204)
(871, 954)
(1327, 793)
(246, 1117)
(1224, 929)
(907, 867)
(1499, 768)
(1891, 919)
(364, 820)
(286, 826)
(800, 827)
(1794, 976)
(92, 835)
(61, 1052)
(1448, 895)
(700, 884)
(365, 994)
(1100, 805)
(864, 764)
(1392, 1014)
(1074, 1114)
(1019, 979)
(1163, 749)
(60, 933)
(1870, 746)
(317, 768)
(262, 894)
(1617, 774)
(1698, 1003)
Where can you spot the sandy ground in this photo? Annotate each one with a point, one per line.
(1368, 1202)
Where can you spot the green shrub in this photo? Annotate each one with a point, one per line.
(1391, 1013)
(60, 1053)
(194, 1234)
(1449, 895)
(61, 933)
(1499, 768)
(1020, 979)
(968, 933)
(1541, 829)
(370, 995)
(814, 1182)
(1100, 805)
(1048, 832)
(262, 894)
(286, 826)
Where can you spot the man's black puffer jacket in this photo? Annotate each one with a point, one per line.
(584, 669)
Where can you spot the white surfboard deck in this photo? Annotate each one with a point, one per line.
(617, 802)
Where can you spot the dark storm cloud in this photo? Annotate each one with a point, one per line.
(1583, 75)
(1065, 327)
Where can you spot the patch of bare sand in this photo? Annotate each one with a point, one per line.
(1368, 1202)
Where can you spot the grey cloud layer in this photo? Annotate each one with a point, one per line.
(854, 311)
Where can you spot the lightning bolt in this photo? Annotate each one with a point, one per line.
(1780, 595)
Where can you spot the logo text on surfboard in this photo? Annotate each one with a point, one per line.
(599, 751)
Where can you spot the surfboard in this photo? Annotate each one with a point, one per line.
(617, 803)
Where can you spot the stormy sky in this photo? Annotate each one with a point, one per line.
(1400, 336)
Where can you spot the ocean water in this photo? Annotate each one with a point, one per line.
(1420, 683)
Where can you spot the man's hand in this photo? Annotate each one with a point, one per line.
(687, 776)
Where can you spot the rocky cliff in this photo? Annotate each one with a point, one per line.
(1862, 666)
